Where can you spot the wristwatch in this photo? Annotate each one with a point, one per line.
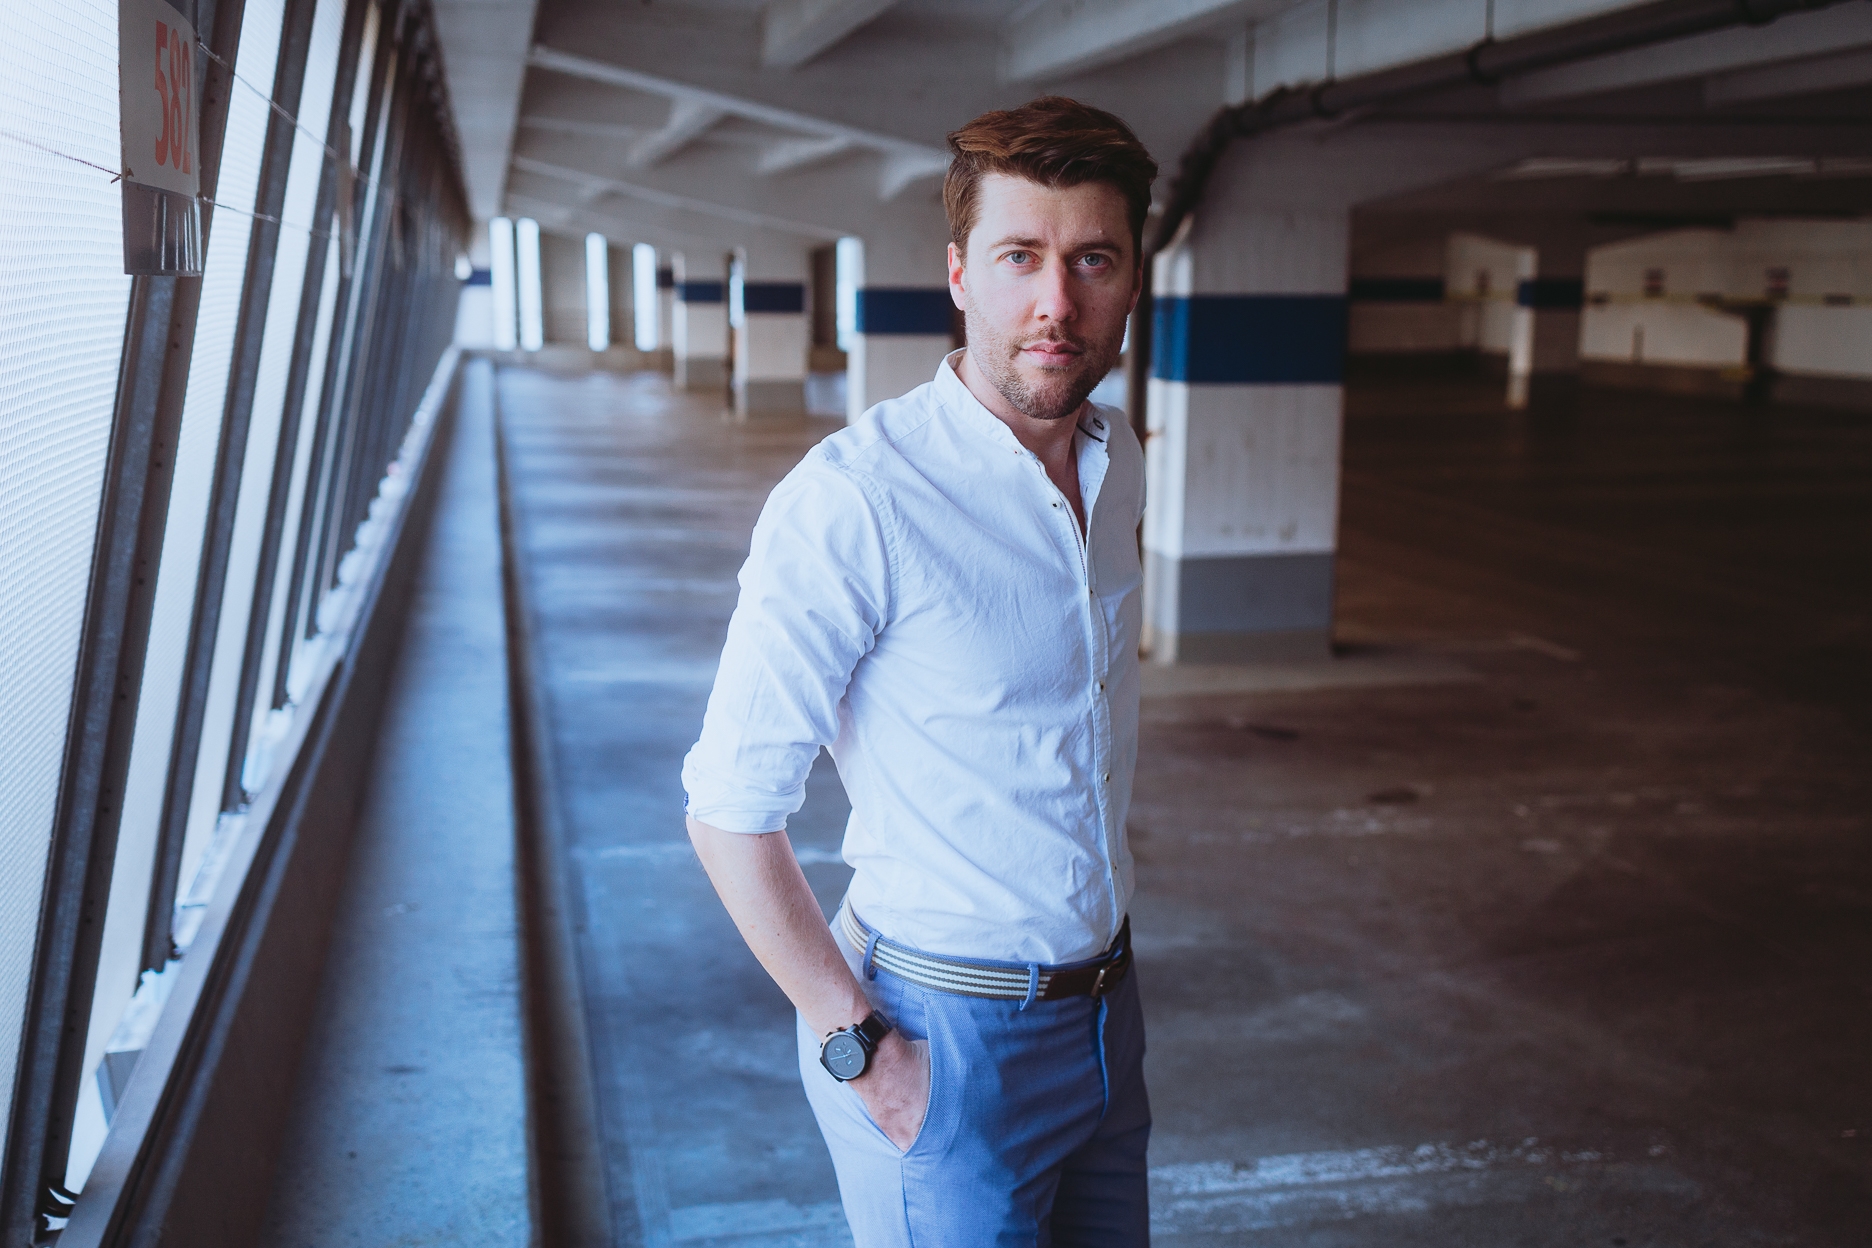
(846, 1053)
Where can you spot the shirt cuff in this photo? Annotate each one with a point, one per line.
(746, 820)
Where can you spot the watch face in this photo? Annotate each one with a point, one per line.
(843, 1055)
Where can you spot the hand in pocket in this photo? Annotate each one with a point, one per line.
(896, 1090)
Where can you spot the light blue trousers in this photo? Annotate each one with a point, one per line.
(1036, 1129)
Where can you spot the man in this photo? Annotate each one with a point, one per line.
(946, 595)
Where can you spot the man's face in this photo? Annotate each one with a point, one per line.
(1048, 281)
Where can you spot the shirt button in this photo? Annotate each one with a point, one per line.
(1108, 777)
(1101, 686)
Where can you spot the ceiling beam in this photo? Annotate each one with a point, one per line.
(905, 162)
(1053, 38)
(903, 170)
(612, 130)
(552, 59)
(594, 187)
(688, 120)
(792, 155)
(1768, 82)
(795, 31)
(557, 218)
(1795, 35)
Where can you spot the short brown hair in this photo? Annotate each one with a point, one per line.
(1056, 142)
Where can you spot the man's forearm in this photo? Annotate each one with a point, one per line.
(766, 894)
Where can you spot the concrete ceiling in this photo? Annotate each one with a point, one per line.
(807, 119)
(484, 44)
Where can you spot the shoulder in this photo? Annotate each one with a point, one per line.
(856, 468)
(877, 438)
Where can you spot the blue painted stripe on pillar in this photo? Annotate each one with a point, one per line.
(773, 297)
(904, 310)
(1251, 339)
(1396, 290)
(480, 277)
(1545, 294)
(699, 292)
(666, 279)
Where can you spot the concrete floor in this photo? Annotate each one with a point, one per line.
(1539, 918)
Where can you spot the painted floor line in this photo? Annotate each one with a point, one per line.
(1302, 675)
(774, 1222)
(1305, 1188)
(1290, 1190)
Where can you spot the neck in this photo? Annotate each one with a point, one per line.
(1050, 440)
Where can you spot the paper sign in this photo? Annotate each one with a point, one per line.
(159, 97)
(159, 104)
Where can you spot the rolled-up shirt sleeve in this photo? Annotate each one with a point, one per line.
(815, 591)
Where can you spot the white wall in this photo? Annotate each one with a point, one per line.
(562, 279)
(1378, 327)
(1482, 274)
(1825, 260)
(1824, 342)
(1662, 333)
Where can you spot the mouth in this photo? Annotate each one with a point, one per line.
(1052, 352)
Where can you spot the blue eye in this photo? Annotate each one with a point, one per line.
(1016, 257)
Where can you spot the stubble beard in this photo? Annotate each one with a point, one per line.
(1060, 393)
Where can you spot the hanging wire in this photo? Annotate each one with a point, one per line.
(337, 157)
(273, 104)
(116, 174)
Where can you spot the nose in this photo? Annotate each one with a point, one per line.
(1054, 299)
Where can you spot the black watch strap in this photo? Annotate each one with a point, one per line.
(846, 1053)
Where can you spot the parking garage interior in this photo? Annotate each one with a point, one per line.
(368, 540)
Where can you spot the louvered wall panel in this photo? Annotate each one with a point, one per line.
(62, 312)
(224, 276)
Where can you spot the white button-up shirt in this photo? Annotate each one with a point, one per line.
(920, 599)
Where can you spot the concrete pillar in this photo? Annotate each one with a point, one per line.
(767, 309)
(474, 315)
(1243, 458)
(623, 312)
(1544, 352)
(902, 318)
(666, 315)
(699, 326)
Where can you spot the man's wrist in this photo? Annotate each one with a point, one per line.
(847, 1052)
(889, 1051)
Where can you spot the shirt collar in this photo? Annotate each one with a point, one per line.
(953, 394)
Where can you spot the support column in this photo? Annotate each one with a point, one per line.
(474, 314)
(767, 309)
(1544, 353)
(699, 329)
(1243, 457)
(666, 317)
(902, 317)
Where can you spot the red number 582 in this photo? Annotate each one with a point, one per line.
(174, 51)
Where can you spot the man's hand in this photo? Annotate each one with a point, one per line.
(760, 882)
(896, 1088)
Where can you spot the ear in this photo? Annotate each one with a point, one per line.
(958, 286)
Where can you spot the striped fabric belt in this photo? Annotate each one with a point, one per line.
(996, 981)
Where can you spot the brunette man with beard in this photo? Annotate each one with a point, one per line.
(945, 594)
